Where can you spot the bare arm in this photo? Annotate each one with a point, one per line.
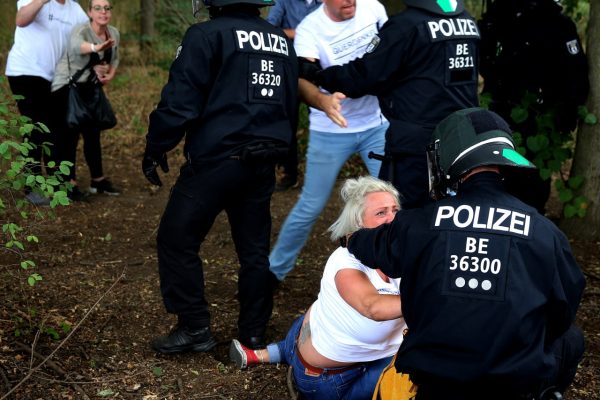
(356, 289)
(290, 33)
(330, 104)
(26, 14)
(86, 47)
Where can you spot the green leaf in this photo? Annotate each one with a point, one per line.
(64, 169)
(590, 119)
(554, 165)
(519, 114)
(569, 211)
(40, 179)
(537, 143)
(105, 393)
(157, 371)
(53, 333)
(14, 243)
(66, 327)
(545, 173)
(575, 182)
(27, 264)
(33, 279)
(559, 184)
(565, 195)
(33, 238)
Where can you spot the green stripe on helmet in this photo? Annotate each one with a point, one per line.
(515, 157)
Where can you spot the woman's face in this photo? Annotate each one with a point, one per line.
(380, 208)
(100, 12)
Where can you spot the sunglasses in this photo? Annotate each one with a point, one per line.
(100, 8)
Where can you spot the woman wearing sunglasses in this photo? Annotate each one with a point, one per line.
(95, 45)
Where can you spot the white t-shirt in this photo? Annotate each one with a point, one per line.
(336, 43)
(341, 333)
(39, 45)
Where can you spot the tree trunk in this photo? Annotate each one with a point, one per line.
(586, 161)
(146, 25)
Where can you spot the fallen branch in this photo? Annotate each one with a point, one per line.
(5, 378)
(52, 365)
(290, 384)
(47, 359)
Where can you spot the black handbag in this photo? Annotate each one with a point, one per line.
(87, 105)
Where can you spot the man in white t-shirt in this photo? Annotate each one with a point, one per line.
(41, 36)
(337, 32)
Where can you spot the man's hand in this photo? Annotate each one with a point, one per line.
(332, 106)
(149, 164)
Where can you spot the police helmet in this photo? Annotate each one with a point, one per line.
(467, 139)
(439, 7)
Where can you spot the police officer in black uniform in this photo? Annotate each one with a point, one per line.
(532, 58)
(421, 66)
(489, 286)
(232, 92)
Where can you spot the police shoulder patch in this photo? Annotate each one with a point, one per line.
(373, 44)
(573, 46)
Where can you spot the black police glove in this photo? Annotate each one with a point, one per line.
(308, 69)
(150, 162)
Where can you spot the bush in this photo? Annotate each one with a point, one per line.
(16, 177)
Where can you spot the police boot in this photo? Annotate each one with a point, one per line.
(183, 339)
(253, 342)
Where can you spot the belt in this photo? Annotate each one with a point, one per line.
(311, 370)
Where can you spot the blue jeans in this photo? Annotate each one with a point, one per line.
(325, 157)
(354, 384)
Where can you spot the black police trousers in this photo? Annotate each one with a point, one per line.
(408, 173)
(199, 195)
(568, 351)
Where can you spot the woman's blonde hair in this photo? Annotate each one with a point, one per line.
(353, 194)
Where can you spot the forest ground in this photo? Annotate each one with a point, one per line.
(99, 268)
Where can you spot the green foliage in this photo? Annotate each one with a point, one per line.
(18, 175)
(551, 148)
(106, 393)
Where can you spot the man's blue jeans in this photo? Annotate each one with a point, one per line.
(354, 384)
(325, 157)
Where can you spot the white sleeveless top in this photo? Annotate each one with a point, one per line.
(341, 333)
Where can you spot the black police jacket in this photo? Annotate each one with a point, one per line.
(422, 66)
(487, 285)
(233, 84)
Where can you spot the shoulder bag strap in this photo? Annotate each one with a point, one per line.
(75, 77)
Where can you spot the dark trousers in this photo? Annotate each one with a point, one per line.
(67, 138)
(567, 350)
(408, 173)
(199, 195)
(290, 164)
(36, 104)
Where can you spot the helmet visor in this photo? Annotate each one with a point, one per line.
(436, 175)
